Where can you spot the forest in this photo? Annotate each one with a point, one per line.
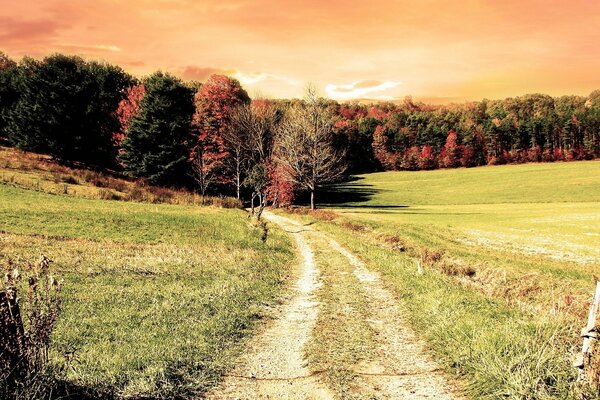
(213, 138)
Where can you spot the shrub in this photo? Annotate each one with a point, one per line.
(69, 179)
(107, 194)
(160, 194)
(34, 377)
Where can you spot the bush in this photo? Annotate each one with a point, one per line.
(107, 194)
(34, 378)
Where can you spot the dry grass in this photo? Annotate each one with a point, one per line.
(39, 172)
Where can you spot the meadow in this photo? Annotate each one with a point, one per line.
(157, 298)
(508, 260)
(536, 223)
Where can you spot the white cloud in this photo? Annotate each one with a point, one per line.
(361, 89)
(103, 47)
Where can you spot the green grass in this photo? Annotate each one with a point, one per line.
(342, 337)
(537, 225)
(525, 183)
(157, 298)
(529, 233)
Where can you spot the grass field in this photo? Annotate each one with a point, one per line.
(157, 297)
(509, 256)
(536, 223)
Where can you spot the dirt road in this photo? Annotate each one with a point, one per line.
(275, 365)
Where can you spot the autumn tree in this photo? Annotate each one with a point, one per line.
(305, 145)
(452, 153)
(215, 140)
(128, 108)
(157, 145)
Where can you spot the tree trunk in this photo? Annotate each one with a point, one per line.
(237, 176)
(312, 200)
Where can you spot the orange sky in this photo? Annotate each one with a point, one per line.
(440, 50)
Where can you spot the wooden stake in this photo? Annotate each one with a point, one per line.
(589, 334)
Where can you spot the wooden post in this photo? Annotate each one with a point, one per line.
(420, 269)
(589, 334)
(12, 345)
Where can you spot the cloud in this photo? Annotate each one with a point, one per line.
(361, 89)
(202, 73)
(251, 78)
(86, 47)
(13, 30)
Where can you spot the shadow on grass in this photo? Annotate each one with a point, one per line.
(350, 193)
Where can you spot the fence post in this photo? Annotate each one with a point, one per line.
(12, 345)
(589, 334)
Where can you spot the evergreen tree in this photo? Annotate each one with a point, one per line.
(8, 93)
(157, 145)
(66, 108)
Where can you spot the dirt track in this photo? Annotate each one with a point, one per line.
(274, 367)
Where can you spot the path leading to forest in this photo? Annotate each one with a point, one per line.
(274, 366)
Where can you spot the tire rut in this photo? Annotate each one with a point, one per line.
(274, 366)
(402, 368)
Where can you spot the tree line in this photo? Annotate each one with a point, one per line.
(412, 136)
(211, 137)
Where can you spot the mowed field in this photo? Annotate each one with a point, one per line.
(550, 210)
(494, 266)
(534, 218)
(157, 297)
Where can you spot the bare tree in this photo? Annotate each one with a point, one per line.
(203, 170)
(236, 140)
(304, 145)
(249, 139)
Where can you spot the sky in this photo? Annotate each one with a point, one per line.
(436, 51)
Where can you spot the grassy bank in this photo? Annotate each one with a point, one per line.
(157, 297)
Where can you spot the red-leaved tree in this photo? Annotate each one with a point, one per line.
(128, 108)
(451, 155)
(427, 158)
(216, 99)
(280, 191)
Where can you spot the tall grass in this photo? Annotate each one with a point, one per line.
(497, 350)
(157, 298)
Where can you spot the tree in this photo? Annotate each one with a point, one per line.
(305, 145)
(157, 145)
(8, 93)
(215, 102)
(128, 108)
(251, 142)
(66, 108)
(280, 190)
(381, 148)
(452, 152)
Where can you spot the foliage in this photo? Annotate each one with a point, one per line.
(128, 108)
(8, 92)
(215, 102)
(158, 142)
(65, 108)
